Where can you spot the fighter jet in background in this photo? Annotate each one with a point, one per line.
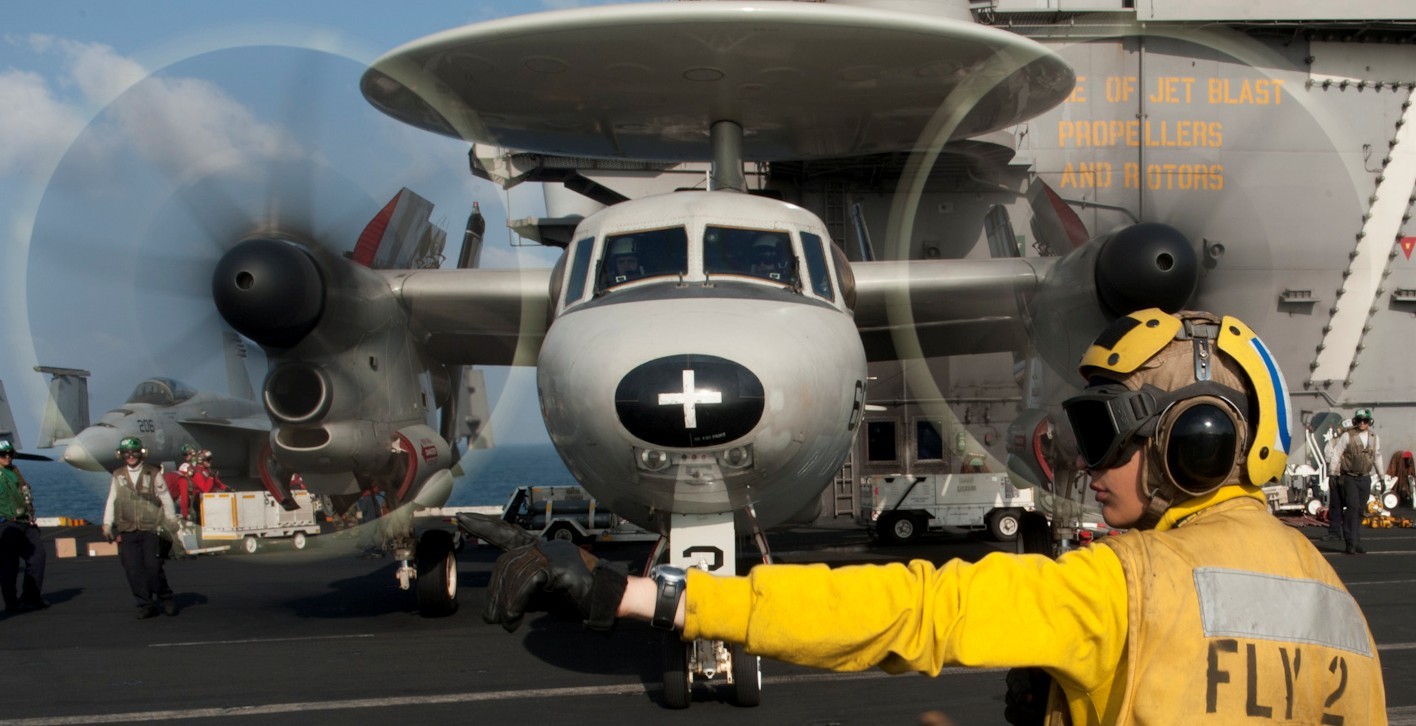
(166, 414)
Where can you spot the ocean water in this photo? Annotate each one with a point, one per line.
(489, 478)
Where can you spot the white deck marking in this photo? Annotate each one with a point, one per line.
(395, 701)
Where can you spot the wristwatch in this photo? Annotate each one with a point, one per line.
(670, 580)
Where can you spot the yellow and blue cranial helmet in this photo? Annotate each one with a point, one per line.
(1153, 376)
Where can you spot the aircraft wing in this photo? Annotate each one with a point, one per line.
(919, 308)
(478, 316)
(904, 309)
(253, 424)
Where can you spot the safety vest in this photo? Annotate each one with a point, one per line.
(1236, 618)
(1357, 459)
(13, 502)
(137, 507)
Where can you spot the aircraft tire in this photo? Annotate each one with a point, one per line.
(678, 684)
(747, 677)
(437, 574)
(1003, 524)
(898, 528)
(1034, 534)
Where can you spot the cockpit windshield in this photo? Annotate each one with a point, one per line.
(764, 254)
(643, 254)
(161, 392)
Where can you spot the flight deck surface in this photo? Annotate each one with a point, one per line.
(324, 636)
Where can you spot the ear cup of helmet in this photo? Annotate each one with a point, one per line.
(1200, 442)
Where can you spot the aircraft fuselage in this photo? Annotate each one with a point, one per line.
(705, 379)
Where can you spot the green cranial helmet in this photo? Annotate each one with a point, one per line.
(6, 447)
(188, 450)
(131, 444)
(1363, 414)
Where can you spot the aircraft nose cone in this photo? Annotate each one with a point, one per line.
(77, 456)
(689, 401)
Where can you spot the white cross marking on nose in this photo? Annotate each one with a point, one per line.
(690, 397)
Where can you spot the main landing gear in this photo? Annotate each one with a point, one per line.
(432, 573)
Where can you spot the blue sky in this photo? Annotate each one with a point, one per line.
(108, 109)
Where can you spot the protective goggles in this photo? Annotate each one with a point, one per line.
(1105, 418)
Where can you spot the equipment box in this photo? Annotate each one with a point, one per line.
(102, 549)
(253, 516)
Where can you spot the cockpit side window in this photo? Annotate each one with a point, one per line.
(579, 270)
(638, 255)
(764, 254)
(814, 250)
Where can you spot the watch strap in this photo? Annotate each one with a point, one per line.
(670, 593)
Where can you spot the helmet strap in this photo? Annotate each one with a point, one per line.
(1159, 497)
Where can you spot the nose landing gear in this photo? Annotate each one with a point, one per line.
(708, 542)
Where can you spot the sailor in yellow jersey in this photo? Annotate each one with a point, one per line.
(1209, 610)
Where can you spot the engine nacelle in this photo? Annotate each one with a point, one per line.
(349, 390)
(1141, 266)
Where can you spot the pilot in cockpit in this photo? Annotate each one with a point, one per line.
(623, 263)
(768, 258)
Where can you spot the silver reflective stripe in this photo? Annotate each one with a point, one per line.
(1267, 607)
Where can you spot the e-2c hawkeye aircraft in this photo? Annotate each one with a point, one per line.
(701, 355)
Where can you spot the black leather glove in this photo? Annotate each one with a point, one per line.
(496, 531)
(538, 576)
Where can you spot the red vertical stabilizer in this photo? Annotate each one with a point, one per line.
(400, 236)
(373, 234)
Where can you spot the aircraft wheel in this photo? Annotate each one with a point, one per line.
(747, 677)
(1034, 534)
(678, 681)
(898, 528)
(298, 541)
(250, 544)
(1004, 525)
(437, 574)
(562, 531)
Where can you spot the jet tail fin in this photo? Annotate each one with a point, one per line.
(67, 411)
(1056, 227)
(237, 378)
(998, 228)
(476, 420)
(401, 236)
(7, 420)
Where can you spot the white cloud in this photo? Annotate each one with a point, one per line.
(188, 126)
(183, 126)
(35, 125)
(99, 73)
